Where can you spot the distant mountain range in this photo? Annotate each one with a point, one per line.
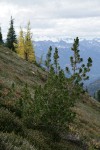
(94, 87)
(88, 48)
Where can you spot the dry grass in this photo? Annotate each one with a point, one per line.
(16, 70)
(87, 122)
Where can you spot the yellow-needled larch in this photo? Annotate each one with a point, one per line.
(20, 46)
(29, 49)
(24, 46)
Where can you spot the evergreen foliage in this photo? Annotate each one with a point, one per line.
(52, 103)
(1, 40)
(48, 59)
(56, 57)
(24, 103)
(11, 36)
(78, 69)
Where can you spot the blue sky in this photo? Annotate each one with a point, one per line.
(53, 18)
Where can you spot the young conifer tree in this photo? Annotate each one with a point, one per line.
(79, 69)
(54, 101)
(56, 63)
(48, 59)
(11, 36)
(1, 40)
(29, 49)
(20, 46)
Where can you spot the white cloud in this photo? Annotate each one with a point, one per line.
(53, 18)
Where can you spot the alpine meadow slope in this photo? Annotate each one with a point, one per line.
(16, 133)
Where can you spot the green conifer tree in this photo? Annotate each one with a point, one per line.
(78, 69)
(56, 63)
(11, 36)
(52, 103)
(48, 58)
(1, 40)
(24, 102)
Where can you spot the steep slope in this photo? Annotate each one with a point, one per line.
(14, 134)
(15, 70)
(94, 87)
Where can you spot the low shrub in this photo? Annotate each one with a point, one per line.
(14, 142)
(9, 122)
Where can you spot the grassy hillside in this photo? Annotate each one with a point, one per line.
(84, 133)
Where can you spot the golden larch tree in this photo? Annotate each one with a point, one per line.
(29, 49)
(24, 46)
(20, 46)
